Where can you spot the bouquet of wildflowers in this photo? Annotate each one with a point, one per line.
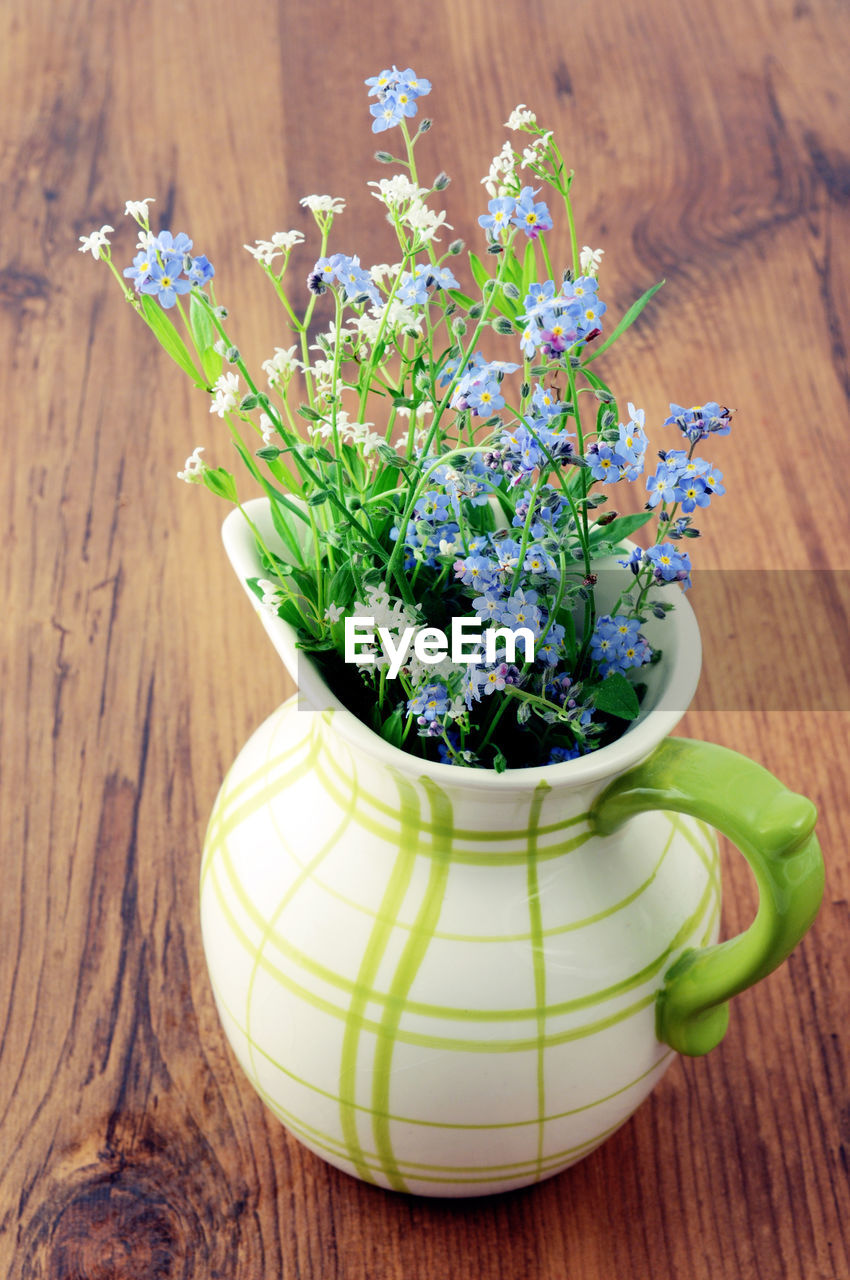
(438, 454)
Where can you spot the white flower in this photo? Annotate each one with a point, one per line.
(327, 341)
(333, 613)
(286, 240)
(93, 242)
(502, 168)
(519, 117)
(323, 204)
(404, 411)
(425, 222)
(590, 260)
(399, 317)
(387, 610)
(138, 209)
(354, 433)
(272, 595)
(193, 472)
(396, 191)
(383, 270)
(266, 251)
(226, 394)
(268, 429)
(282, 365)
(533, 153)
(323, 372)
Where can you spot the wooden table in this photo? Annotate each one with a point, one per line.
(710, 146)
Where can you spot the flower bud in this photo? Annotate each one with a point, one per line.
(441, 181)
(232, 355)
(384, 157)
(456, 247)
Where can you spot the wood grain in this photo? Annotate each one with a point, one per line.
(710, 144)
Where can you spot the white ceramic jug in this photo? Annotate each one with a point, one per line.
(456, 982)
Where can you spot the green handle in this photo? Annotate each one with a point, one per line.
(774, 829)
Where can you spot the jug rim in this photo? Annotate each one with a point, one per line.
(677, 676)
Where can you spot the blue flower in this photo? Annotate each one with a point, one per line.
(530, 216)
(393, 79)
(669, 565)
(489, 605)
(499, 216)
(617, 645)
(602, 462)
(540, 298)
(475, 571)
(559, 755)
(549, 650)
(200, 271)
(354, 279)
(433, 505)
(430, 702)
(546, 403)
(441, 278)
(713, 481)
(397, 93)
(634, 561)
(530, 340)
(140, 271)
(701, 420)
(521, 610)
(694, 494)
(349, 273)
(422, 541)
(485, 397)
(585, 287)
(167, 244)
(496, 678)
(538, 561)
(631, 445)
(166, 281)
(590, 317)
(413, 84)
(413, 286)
(450, 368)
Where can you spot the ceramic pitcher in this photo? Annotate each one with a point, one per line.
(453, 982)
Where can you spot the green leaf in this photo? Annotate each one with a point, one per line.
(168, 338)
(460, 298)
(341, 587)
(204, 335)
(616, 697)
(529, 268)
(221, 482)
(622, 527)
(392, 728)
(627, 320)
(479, 274)
(512, 270)
(500, 764)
